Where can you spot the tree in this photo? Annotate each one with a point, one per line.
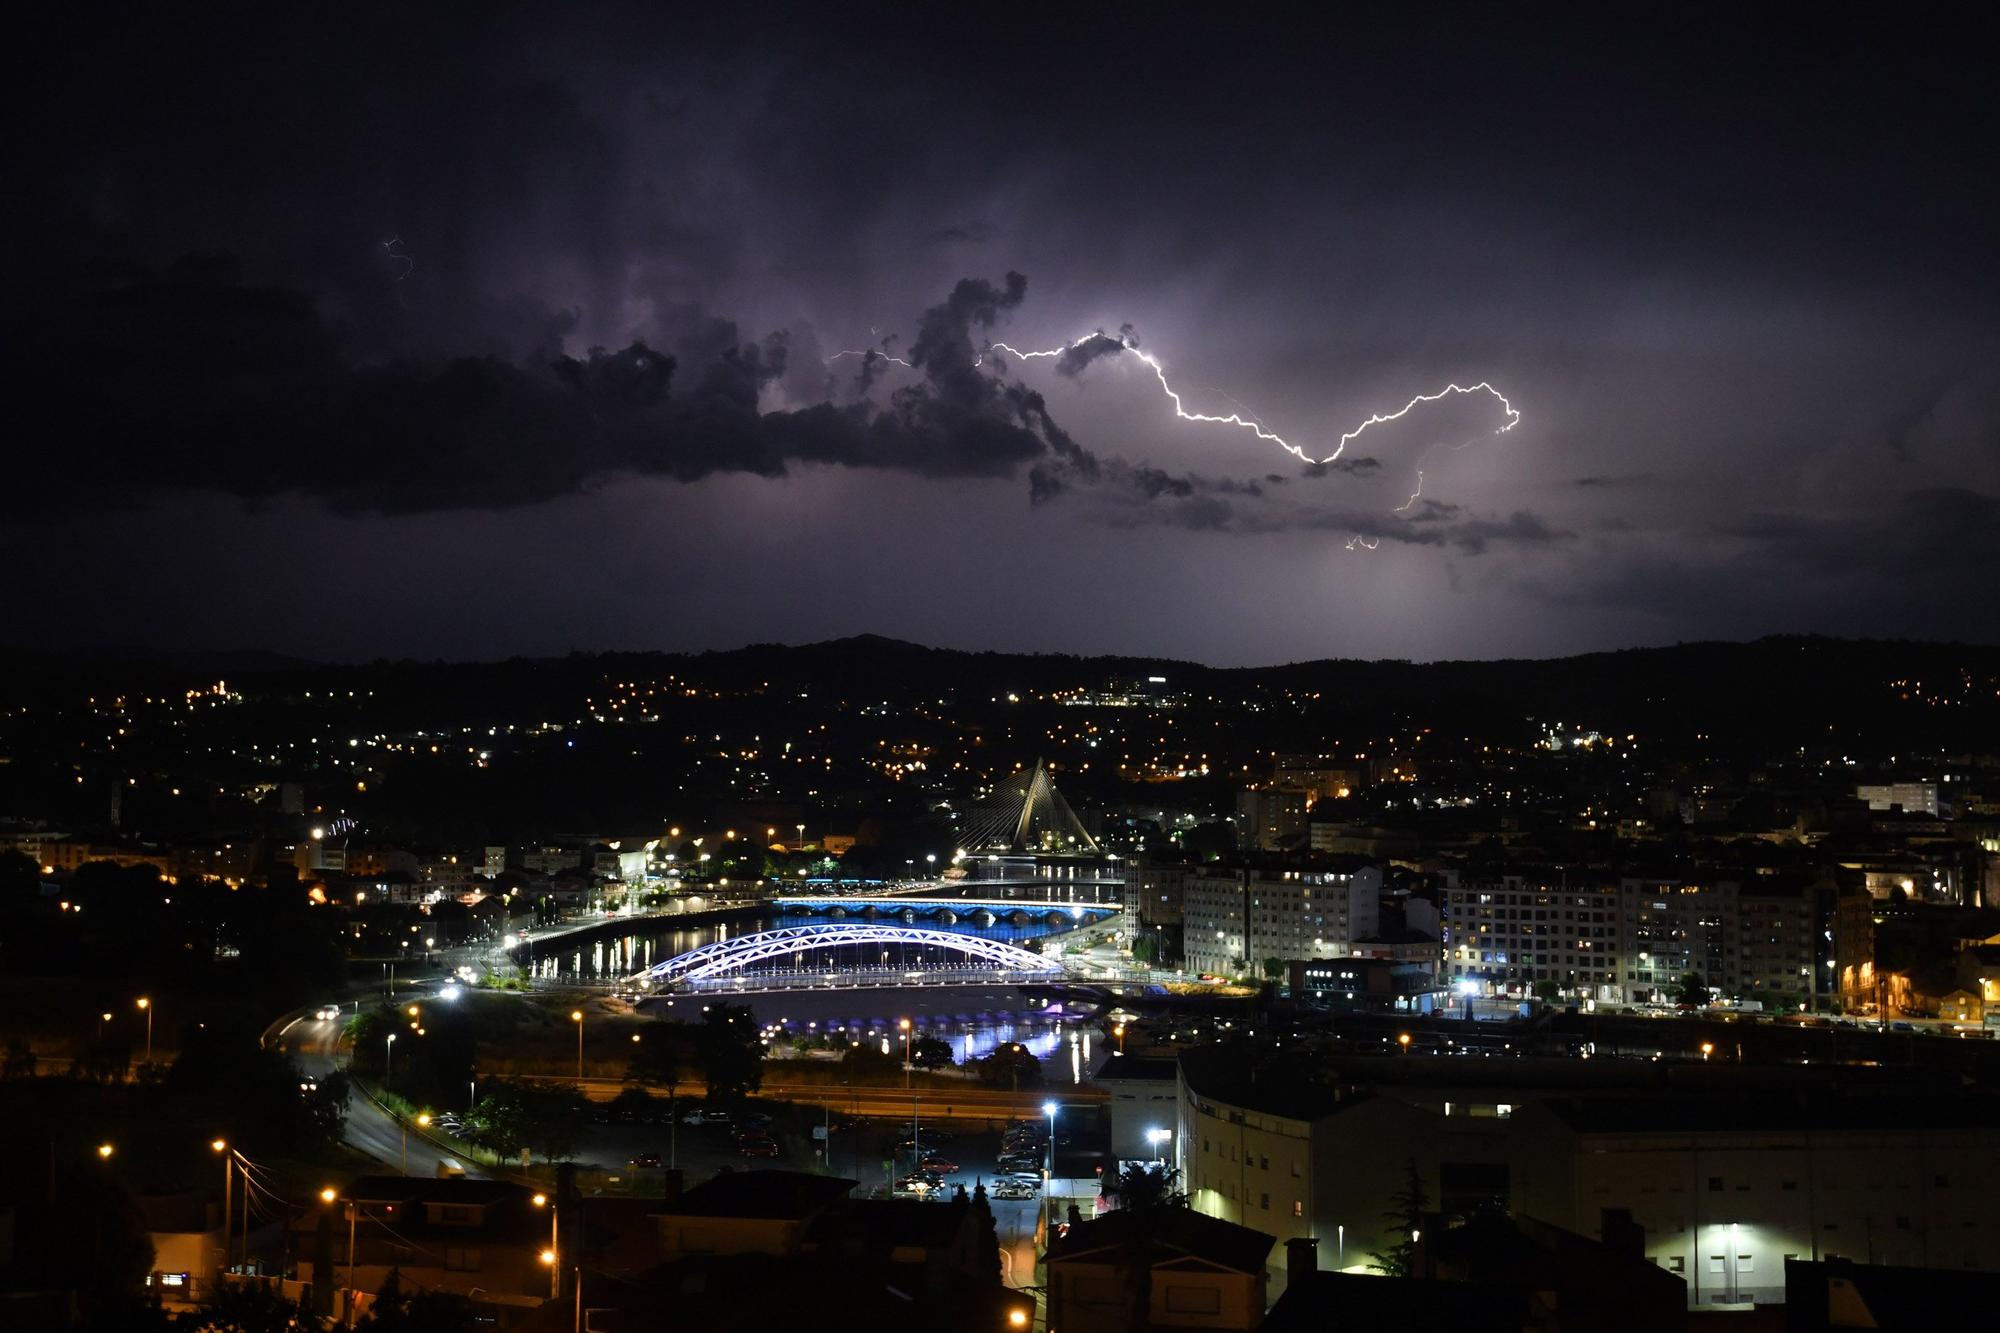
(558, 1119)
(394, 1311)
(660, 1057)
(634, 1104)
(1407, 1211)
(1693, 992)
(249, 1307)
(930, 1053)
(1145, 1194)
(729, 1051)
(550, 1119)
(1140, 1187)
(1274, 968)
(1010, 1066)
(1548, 990)
(1144, 950)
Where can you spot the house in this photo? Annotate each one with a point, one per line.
(1200, 1272)
(761, 1250)
(746, 1212)
(1575, 1284)
(476, 1238)
(1324, 1302)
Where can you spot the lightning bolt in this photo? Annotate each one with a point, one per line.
(1271, 437)
(883, 355)
(389, 246)
(1404, 507)
(1237, 419)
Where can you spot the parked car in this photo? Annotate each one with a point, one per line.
(1012, 1189)
(941, 1166)
(646, 1159)
(702, 1115)
(756, 1145)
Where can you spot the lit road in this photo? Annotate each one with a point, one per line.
(313, 1045)
(968, 1103)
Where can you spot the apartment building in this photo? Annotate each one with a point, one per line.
(1505, 933)
(1236, 917)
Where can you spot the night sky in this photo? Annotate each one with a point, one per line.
(349, 332)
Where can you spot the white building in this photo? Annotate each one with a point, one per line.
(1909, 797)
(1727, 1188)
(1235, 918)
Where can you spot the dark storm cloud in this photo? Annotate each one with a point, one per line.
(1742, 291)
(189, 381)
(1083, 351)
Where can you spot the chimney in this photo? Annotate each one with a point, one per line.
(1301, 1259)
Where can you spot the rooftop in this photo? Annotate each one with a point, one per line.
(772, 1195)
(1169, 1234)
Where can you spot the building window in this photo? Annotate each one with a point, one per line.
(1677, 1263)
(1264, 1202)
(460, 1259)
(1746, 1263)
(1298, 1207)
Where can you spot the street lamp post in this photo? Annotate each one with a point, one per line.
(147, 1006)
(576, 1017)
(905, 1025)
(388, 1056)
(551, 1255)
(228, 1167)
(1048, 1176)
(328, 1196)
(102, 1019)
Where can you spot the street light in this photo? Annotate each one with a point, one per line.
(549, 1255)
(1707, 1049)
(1403, 1040)
(1048, 1177)
(102, 1019)
(905, 1025)
(388, 1056)
(222, 1146)
(147, 1005)
(1156, 1137)
(104, 1150)
(576, 1017)
(328, 1196)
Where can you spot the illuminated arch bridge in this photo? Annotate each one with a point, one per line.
(849, 955)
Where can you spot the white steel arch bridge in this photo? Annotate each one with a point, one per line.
(943, 957)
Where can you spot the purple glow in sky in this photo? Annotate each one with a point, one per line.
(455, 332)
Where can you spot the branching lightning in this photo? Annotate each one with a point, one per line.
(1237, 419)
(1405, 506)
(1245, 423)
